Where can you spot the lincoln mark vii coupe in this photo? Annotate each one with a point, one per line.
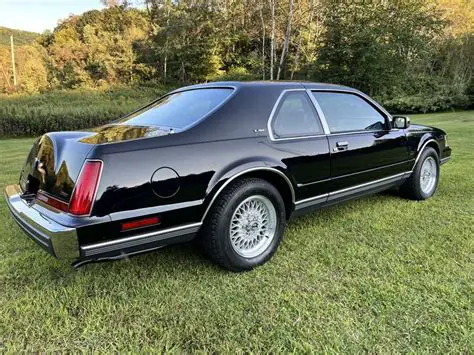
(227, 163)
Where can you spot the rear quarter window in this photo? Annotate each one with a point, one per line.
(180, 110)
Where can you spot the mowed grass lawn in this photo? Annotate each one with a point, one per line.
(379, 274)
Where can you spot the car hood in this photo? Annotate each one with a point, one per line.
(421, 128)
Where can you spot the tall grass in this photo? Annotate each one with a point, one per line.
(33, 115)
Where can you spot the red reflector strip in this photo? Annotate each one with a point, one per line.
(150, 221)
(53, 202)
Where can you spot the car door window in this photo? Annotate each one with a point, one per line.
(295, 117)
(345, 112)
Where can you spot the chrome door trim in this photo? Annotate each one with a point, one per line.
(314, 199)
(355, 187)
(317, 199)
(356, 173)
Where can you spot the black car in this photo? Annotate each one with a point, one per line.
(228, 162)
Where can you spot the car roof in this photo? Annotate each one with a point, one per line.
(268, 83)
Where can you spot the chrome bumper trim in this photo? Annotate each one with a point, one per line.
(444, 160)
(59, 240)
(139, 239)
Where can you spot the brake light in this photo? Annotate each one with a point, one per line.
(51, 201)
(86, 187)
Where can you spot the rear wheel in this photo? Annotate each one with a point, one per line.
(423, 181)
(245, 225)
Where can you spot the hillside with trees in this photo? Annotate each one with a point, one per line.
(413, 55)
(21, 37)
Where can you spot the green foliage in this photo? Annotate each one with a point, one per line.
(429, 95)
(22, 115)
(414, 55)
(32, 74)
(97, 48)
(376, 47)
(20, 37)
(234, 74)
(377, 275)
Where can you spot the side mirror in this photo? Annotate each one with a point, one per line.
(401, 122)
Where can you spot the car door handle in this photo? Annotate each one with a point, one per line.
(340, 146)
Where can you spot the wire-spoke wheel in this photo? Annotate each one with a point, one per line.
(425, 176)
(245, 225)
(253, 226)
(428, 175)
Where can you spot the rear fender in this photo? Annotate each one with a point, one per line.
(238, 169)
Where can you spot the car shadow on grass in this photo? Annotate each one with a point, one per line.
(178, 257)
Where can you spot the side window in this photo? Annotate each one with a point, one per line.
(295, 117)
(348, 112)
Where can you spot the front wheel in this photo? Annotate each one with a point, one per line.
(424, 180)
(245, 225)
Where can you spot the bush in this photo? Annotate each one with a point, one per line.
(34, 115)
(234, 74)
(426, 94)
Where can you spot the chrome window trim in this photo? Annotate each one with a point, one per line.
(357, 132)
(387, 117)
(320, 112)
(233, 177)
(274, 109)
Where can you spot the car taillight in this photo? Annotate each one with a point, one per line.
(51, 201)
(86, 187)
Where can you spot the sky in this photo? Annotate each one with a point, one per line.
(40, 15)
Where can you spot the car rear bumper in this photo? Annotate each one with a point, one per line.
(58, 240)
(64, 241)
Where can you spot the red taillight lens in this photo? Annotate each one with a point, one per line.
(86, 187)
(51, 201)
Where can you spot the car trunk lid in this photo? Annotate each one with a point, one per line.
(53, 164)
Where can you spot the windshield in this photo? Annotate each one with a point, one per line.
(179, 110)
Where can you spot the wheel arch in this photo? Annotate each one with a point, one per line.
(427, 141)
(274, 176)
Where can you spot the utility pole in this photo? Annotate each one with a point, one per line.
(13, 61)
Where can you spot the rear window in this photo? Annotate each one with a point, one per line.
(180, 110)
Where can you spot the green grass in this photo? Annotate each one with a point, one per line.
(379, 274)
(33, 115)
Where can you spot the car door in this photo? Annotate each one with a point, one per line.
(363, 146)
(297, 134)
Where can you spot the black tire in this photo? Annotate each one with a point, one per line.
(215, 236)
(411, 188)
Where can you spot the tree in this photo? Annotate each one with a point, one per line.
(376, 47)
